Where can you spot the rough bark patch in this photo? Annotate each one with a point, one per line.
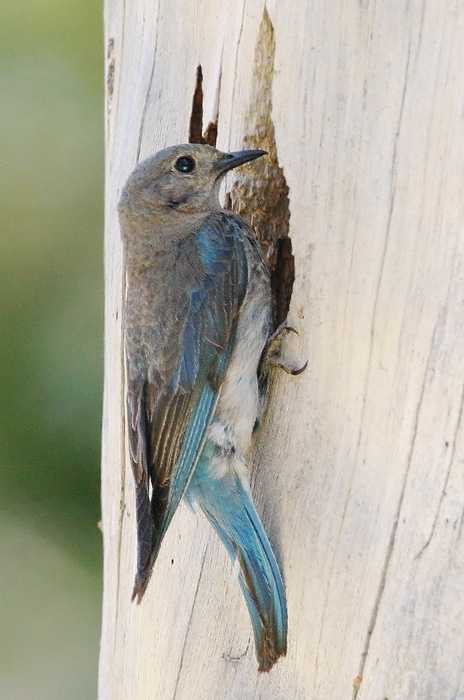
(262, 198)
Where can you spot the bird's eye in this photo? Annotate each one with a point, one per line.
(185, 164)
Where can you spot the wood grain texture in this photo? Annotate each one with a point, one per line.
(358, 469)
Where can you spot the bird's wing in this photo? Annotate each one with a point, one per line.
(168, 420)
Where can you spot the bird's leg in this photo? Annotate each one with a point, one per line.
(272, 356)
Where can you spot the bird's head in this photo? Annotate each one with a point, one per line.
(183, 178)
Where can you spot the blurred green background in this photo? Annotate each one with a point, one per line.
(51, 172)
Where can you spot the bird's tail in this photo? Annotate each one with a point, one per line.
(228, 505)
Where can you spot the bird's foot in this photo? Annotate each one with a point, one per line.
(272, 356)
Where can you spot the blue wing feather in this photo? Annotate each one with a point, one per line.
(191, 448)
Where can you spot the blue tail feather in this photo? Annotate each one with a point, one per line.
(228, 505)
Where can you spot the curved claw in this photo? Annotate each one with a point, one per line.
(288, 367)
(272, 357)
(275, 340)
(300, 370)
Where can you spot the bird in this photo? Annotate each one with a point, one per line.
(199, 340)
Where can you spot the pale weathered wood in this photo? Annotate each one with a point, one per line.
(358, 469)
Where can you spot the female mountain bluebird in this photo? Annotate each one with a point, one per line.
(198, 327)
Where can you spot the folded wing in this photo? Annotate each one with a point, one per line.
(169, 417)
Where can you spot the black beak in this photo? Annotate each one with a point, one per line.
(231, 160)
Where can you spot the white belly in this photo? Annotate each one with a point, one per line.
(238, 404)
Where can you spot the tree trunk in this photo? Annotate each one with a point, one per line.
(358, 466)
